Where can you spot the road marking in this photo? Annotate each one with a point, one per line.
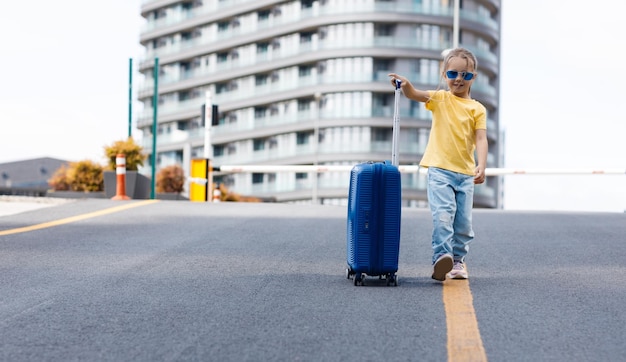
(464, 342)
(76, 218)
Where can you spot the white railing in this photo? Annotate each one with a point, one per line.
(418, 169)
(316, 184)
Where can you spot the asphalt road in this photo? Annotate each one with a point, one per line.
(182, 281)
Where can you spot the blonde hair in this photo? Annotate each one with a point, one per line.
(462, 53)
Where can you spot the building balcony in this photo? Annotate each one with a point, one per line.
(294, 51)
(181, 18)
(192, 106)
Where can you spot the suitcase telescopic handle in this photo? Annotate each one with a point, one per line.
(396, 125)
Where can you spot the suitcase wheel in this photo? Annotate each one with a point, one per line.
(392, 279)
(358, 279)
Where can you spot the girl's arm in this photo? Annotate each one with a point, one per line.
(408, 89)
(481, 153)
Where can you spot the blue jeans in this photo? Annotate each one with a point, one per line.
(451, 198)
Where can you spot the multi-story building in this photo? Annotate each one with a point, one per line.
(304, 82)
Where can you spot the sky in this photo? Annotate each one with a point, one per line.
(65, 77)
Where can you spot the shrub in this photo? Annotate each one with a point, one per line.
(59, 180)
(86, 176)
(226, 195)
(83, 175)
(170, 179)
(131, 150)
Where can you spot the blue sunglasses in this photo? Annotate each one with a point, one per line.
(453, 74)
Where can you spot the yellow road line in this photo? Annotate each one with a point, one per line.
(464, 342)
(76, 218)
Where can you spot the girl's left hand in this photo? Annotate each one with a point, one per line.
(479, 175)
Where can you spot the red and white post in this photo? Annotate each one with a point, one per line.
(120, 171)
(217, 194)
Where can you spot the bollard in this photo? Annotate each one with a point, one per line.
(217, 194)
(120, 171)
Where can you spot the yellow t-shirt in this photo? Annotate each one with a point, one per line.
(452, 139)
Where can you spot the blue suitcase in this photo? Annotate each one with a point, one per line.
(374, 211)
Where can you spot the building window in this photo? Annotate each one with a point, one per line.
(305, 4)
(221, 88)
(223, 26)
(275, 77)
(257, 178)
(260, 79)
(222, 57)
(159, 14)
(381, 134)
(382, 65)
(304, 104)
(229, 117)
(258, 144)
(304, 70)
(184, 95)
(218, 150)
(263, 15)
(302, 138)
(198, 152)
(276, 44)
(306, 37)
(182, 125)
(384, 29)
(302, 175)
(261, 48)
(273, 110)
(260, 112)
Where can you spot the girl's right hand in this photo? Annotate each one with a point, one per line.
(395, 76)
(408, 90)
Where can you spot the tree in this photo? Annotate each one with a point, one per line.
(132, 151)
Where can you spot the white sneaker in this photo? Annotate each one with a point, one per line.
(442, 266)
(458, 271)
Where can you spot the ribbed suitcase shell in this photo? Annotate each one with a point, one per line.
(374, 211)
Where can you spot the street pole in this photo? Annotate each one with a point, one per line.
(208, 148)
(316, 139)
(208, 117)
(155, 106)
(130, 97)
(455, 24)
(456, 32)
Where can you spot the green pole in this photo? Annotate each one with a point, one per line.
(155, 106)
(130, 97)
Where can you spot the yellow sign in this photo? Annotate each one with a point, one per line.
(198, 180)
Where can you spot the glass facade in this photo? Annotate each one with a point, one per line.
(305, 82)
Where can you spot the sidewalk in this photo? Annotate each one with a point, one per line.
(10, 205)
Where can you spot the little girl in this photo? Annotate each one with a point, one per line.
(459, 128)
